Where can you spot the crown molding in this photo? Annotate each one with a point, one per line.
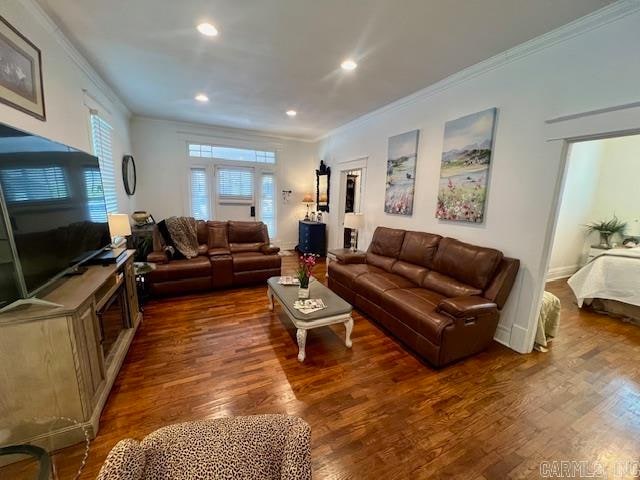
(594, 20)
(33, 7)
(221, 131)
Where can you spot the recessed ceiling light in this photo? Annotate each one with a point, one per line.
(201, 97)
(349, 65)
(207, 29)
(292, 113)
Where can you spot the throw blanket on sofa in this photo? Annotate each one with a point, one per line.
(184, 235)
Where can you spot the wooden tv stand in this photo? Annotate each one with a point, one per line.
(52, 363)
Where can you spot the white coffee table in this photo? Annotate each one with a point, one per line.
(337, 311)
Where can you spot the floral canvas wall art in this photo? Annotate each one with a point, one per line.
(464, 168)
(401, 173)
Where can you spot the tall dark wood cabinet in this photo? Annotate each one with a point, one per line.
(312, 237)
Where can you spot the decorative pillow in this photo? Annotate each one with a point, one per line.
(217, 235)
(126, 461)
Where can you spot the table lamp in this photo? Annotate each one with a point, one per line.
(308, 199)
(119, 227)
(354, 221)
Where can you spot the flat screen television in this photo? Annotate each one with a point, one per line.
(54, 215)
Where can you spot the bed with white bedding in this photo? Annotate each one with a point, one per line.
(613, 277)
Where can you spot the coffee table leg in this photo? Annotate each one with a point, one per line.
(270, 297)
(348, 325)
(301, 335)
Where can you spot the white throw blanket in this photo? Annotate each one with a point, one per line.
(614, 275)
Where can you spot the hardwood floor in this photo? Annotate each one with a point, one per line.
(375, 410)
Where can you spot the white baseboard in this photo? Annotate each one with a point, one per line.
(561, 272)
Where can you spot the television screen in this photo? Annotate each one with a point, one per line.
(53, 199)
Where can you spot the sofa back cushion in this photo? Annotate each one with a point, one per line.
(246, 232)
(380, 261)
(387, 242)
(414, 273)
(419, 248)
(447, 286)
(217, 235)
(202, 232)
(469, 264)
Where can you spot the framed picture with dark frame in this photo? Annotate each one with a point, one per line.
(21, 84)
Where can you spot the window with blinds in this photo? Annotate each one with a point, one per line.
(101, 138)
(199, 194)
(235, 185)
(267, 203)
(198, 150)
(95, 195)
(34, 184)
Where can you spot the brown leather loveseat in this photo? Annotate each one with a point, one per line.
(439, 296)
(229, 254)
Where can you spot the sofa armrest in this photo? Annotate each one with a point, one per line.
(469, 306)
(157, 257)
(347, 256)
(269, 249)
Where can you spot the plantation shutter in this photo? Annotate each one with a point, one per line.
(101, 138)
(267, 203)
(199, 194)
(235, 185)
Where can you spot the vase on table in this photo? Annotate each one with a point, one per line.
(306, 263)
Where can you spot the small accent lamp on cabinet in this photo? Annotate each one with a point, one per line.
(119, 227)
(308, 199)
(354, 221)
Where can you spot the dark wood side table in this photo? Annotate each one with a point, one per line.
(312, 237)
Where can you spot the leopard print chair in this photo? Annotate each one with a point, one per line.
(252, 447)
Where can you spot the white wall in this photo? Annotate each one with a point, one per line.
(619, 184)
(160, 148)
(66, 76)
(577, 205)
(589, 65)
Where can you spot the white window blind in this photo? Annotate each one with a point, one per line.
(235, 185)
(95, 195)
(199, 194)
(101, 137)
(34, 184)
(198, 150)
(267, 204)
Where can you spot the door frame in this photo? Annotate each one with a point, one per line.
(343, 168)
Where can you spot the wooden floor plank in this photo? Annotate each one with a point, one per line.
(376, 411)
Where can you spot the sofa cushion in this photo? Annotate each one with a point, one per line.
(415, 307)
(419, 248)
(217, 237)
(180, 269)
(202, 232)
(246, 232)
(412, 272)
(345, 274)
(373, 285)
(250, 261)
(387, 242)
(447, 286)
(466, 263)
(246, 247)
(380, 261)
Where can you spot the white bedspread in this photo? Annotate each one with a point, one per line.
(614, 275)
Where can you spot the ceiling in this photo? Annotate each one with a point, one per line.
(275, 55)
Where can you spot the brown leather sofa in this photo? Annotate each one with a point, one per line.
(229, 254)
(439, 296)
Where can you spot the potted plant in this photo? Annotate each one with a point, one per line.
(607, 229)
(306, 262)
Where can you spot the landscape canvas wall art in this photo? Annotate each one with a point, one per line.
(464, 168)
(401, 173)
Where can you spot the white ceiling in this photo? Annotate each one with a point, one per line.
(273, 55)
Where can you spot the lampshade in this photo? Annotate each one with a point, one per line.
(119, 225)
(323, 198)
(354, 220)
(633, 228)
(308, 198)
